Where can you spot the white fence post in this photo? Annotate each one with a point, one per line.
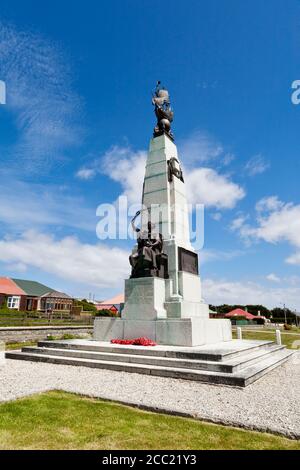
(239, 333)
(278, 337)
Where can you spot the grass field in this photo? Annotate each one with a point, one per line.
(10, 346)
(288, 338)
(57, 420)
(20, 345)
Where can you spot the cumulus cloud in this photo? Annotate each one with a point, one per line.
(200, 147)
(86, 173)
(294, 259)
(40, 98)
(220, 291)
(282, 224)
(217, 216)
(256, 165)
(123, 165)
(273, 278)
(97, 265)
(276, 222)
(126, 167)
(269, 204)
(238, 222)
(206, 186)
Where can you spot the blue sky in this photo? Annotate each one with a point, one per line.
(78, 120)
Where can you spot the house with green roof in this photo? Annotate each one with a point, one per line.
(22, 294)
(32, 288)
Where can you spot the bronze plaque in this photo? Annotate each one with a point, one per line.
(187, 261)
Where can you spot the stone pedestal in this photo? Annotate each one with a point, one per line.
(144, 299)
(152, 311)
(181, 332)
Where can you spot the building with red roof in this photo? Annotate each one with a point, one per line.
(238, 312)
(114, 304)
(11, 294)
(21, 294)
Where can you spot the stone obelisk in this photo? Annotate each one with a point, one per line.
(163, 299)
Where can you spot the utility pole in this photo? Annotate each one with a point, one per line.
(297, 316)
(284, 311)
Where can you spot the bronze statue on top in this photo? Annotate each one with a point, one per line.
(163, 112)
(148, 259)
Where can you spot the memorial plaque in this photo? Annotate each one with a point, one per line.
(187, 261)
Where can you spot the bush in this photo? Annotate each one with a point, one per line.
(86, 306)
(287, 327)
(105, 313)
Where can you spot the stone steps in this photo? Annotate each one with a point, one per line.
(217, 352)
(230, 366)
(238, 369)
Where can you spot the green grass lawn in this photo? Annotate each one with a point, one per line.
(287, 338)
(10, 346)
(19, 345)
(57, 420)
(8, 323)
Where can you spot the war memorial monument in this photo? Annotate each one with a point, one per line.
(163, 297)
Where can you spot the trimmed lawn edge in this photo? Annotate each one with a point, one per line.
(193, 416)
(170, 412)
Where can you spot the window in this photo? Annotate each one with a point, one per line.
(13, 302)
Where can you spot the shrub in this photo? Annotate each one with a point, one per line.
(105, 313)
(86, 306)
(287, 327)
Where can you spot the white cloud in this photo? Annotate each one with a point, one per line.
(200, 147)
(40, 97)
(282, 224)
(206, 186)
(273, 278)
(127, 168)
(276, 222)
(228, 158)
(217, 216)
(238, 222)
(256, 165)
(222, 291)
(124, 166)
(98, 265)
(269, 204)
(86, 173)
(294, 259)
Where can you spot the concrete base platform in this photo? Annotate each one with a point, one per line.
(236, 362)
(174, 332)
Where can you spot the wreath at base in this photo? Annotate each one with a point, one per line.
(135, 342)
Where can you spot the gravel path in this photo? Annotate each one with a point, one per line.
(270, 404)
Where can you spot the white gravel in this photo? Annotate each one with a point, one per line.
(270, 404)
